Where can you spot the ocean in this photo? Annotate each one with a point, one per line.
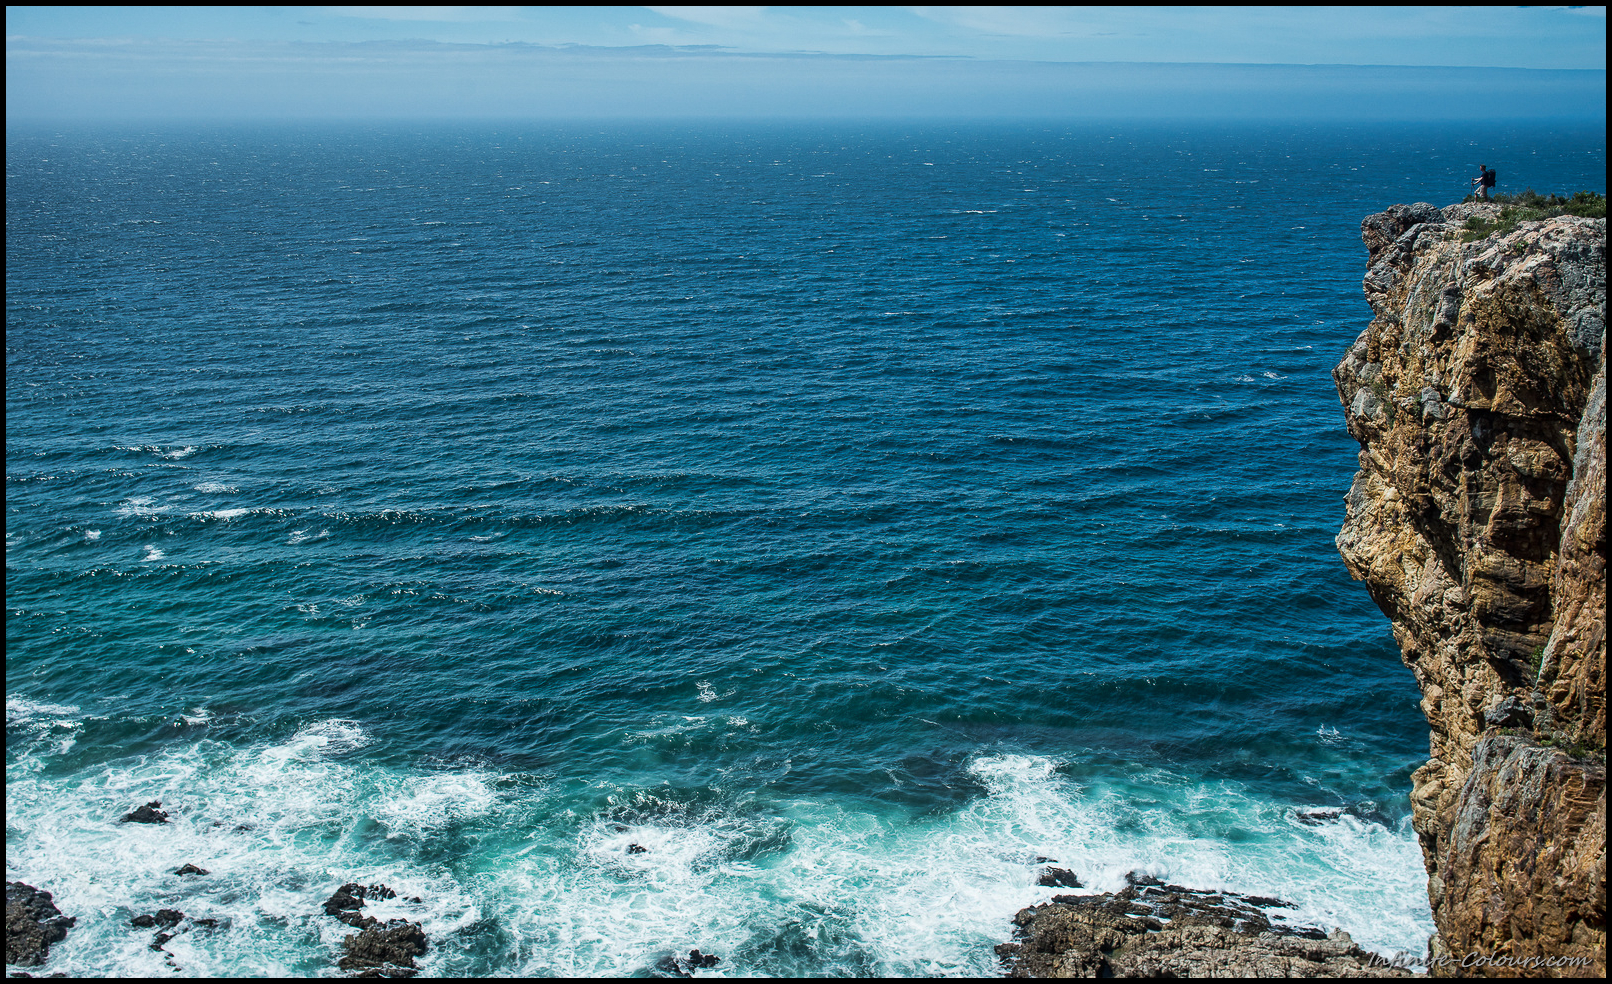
(783, 540)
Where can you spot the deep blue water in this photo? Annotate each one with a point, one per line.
(848, 515)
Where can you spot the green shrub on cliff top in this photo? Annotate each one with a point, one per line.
(1531, 205)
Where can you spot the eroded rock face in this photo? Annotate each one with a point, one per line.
(1477, 521)
(1169, 931)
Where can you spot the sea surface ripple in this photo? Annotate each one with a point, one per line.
(849, 516)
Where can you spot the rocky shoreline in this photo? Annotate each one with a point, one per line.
(1151, 929)
(376, 949)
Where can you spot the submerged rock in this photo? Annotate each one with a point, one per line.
(349, 898)
(1159, 930)
(191, 869)
(33, 923)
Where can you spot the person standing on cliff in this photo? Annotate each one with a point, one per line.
(1484, 181)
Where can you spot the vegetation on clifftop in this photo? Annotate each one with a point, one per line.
(1531, 205)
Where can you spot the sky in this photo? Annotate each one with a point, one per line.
(65, 63)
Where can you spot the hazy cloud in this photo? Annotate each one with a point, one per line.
(439, 14)
(143, 78)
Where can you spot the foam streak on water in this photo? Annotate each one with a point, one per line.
(767, 540)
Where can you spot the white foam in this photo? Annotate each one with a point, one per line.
(220, 514)
(675, 726)
(20, 710)
(141, 505)
(92, 535)
(777, 887)
(152, 554)
(216, 487)
(420, 804)
(277, 834)
(322, 739)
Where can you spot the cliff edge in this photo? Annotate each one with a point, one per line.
(1477, 521)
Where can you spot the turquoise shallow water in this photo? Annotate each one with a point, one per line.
(846, 515)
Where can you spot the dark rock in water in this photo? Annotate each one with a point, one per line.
(351, 896)
(166, 918)
(1141, 878)
(1366, 811)
(385, 951)
(376, 950)
(1266, 902)
(150, 813)
(191, 869)
(1158, 930)
(1058, 878)
(357, 921)
(698, 959)
(1314, 818)
(160, 939)
(33, 923)
(670, 966)
(637, 849)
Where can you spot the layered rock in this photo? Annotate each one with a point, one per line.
(1157, 930)
(1477, 521)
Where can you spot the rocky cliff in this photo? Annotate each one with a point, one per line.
(1477, 521)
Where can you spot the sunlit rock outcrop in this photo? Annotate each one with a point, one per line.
(1477, 521)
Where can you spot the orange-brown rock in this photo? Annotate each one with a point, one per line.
(1477, 521)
